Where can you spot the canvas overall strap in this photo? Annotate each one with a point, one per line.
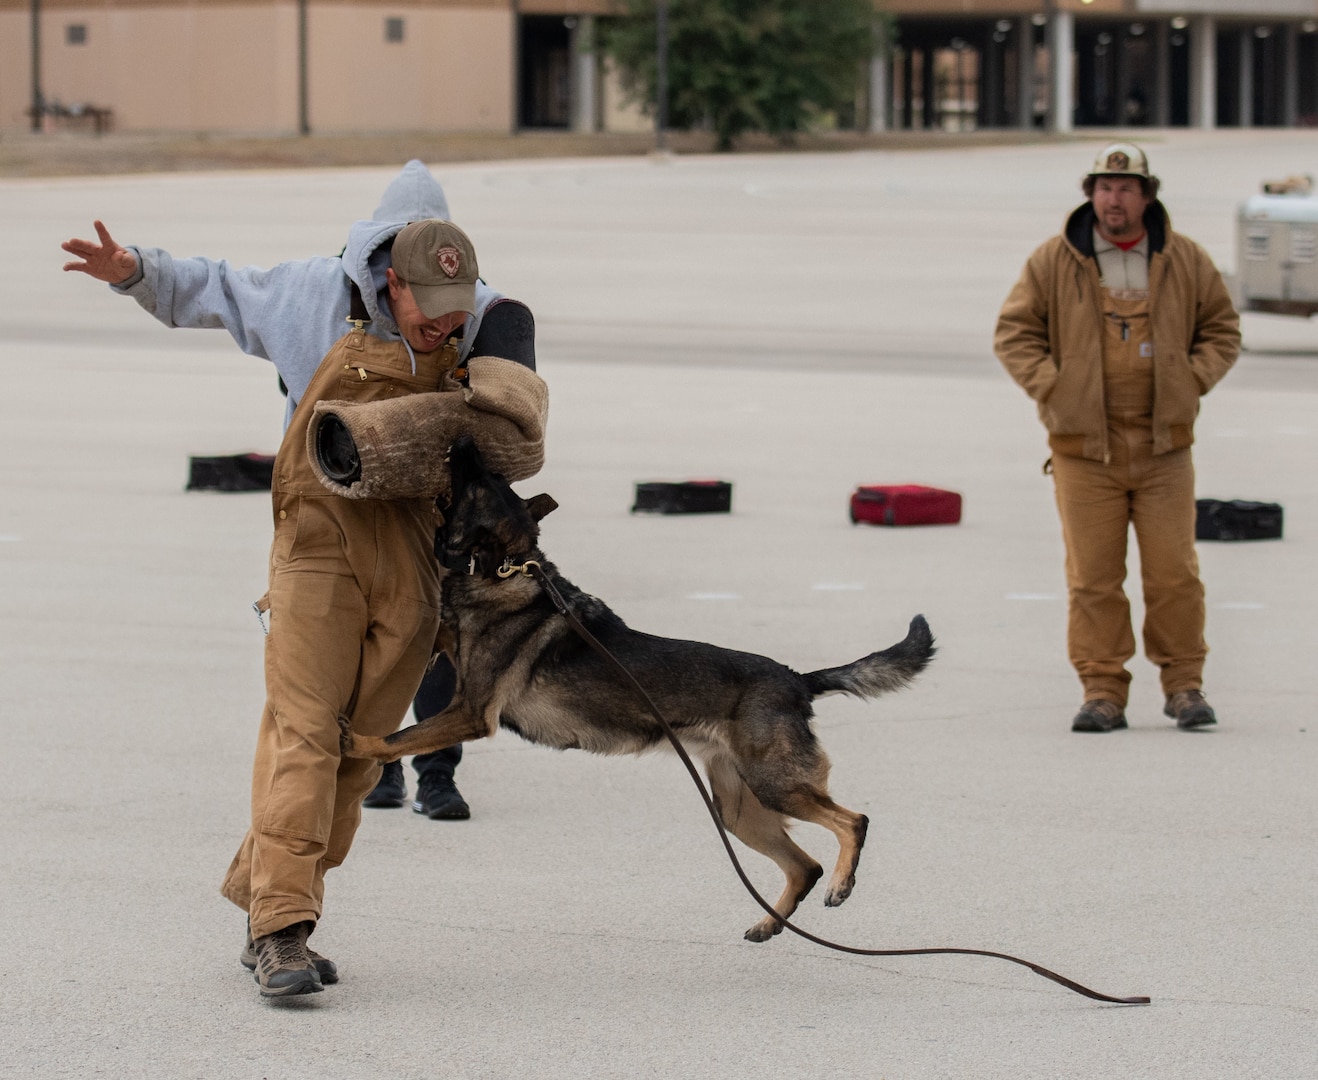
(1127, 358)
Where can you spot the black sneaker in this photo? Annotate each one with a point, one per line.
(325, 967)
(1099, 715)
(391, 791)
(1190, 709)
(438, 798)
(283, 963)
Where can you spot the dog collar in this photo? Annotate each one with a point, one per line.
(481, 564)
(509, 568)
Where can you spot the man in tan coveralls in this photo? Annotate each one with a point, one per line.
(354, 585)
(1116, 327)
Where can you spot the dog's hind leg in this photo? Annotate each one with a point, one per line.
(762, 830)
(454, 725)
(814, 805)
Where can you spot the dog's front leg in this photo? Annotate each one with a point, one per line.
(454, 725)
(446, 642)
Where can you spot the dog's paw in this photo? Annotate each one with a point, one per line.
(837, 893)
(764, 929)
(368, 747)
(346, 742)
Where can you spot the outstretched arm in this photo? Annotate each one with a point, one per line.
(106, 261)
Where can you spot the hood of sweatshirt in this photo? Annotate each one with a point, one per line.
(413, 195)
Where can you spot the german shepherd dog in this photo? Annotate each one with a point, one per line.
(521, 666)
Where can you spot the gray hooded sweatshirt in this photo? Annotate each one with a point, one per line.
(293, 313)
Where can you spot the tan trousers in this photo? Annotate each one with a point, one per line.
(353, 607)
(1099, 502)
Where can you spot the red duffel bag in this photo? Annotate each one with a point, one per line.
(905, 504)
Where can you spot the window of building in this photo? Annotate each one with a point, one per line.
(75, 34)
(393, 29)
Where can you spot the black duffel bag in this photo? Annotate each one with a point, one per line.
(1236, 519)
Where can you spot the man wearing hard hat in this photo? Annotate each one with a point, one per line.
(1116, 328)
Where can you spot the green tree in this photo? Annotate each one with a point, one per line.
(745, 65)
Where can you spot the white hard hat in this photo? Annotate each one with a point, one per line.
(1121, 159)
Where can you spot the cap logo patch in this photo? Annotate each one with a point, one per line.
(450, 260)
(1116, 161)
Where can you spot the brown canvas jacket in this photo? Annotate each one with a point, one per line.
(1050, 332)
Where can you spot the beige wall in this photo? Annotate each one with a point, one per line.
(234, 68)
(15, 74)
(163, 68)
(452, 71)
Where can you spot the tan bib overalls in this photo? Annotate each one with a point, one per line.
(1098, 502)
(353, 607)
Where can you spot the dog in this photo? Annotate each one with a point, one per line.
(521, 666)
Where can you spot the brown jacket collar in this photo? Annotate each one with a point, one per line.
(1079, 231)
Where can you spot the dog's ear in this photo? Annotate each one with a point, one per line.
(540, 505)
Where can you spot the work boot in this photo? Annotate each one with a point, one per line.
(1190, 709)
(283, 963)
(391, 791)
(438, 798)
(1099, 715)
(325, 967)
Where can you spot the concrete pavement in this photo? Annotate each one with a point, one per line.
(798, 325)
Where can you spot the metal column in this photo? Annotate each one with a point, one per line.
(880, 80)
(1061, 48)
(1203, 72)
(584, 65)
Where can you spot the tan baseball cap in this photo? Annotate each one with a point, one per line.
(438, 262)
(1121, 159)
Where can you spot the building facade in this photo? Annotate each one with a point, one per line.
(343, 66)
(1098, 63)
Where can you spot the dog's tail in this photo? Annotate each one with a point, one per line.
(880, 672)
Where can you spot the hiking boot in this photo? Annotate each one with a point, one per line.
(1099, 715)
(391, 791)
(437, 797)
(1190, 709)
(325, 967)
(284, 966)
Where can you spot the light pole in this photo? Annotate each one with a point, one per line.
(38, 99)
(303, 119)
(661, 75)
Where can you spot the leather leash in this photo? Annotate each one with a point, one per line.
(531, 568)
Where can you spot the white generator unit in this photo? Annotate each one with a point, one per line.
(1277, 253)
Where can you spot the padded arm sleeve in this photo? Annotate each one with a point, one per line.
(507, 331)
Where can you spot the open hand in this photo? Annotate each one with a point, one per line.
(105, 261)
